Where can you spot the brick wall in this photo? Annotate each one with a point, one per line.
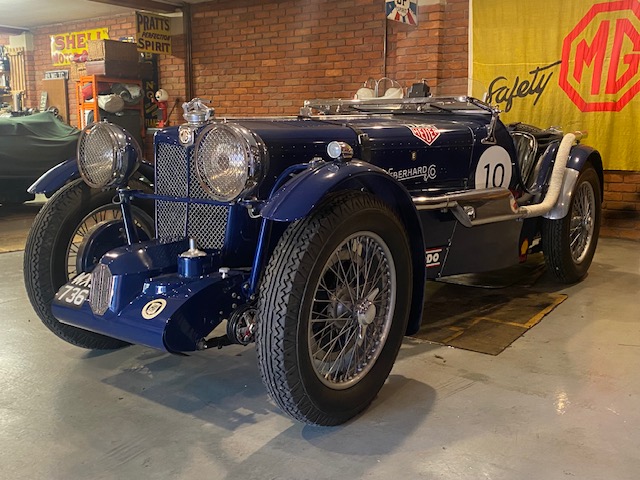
(621, 208)
(267, 56)
(118, 25)
(255, 57)
(171, 77)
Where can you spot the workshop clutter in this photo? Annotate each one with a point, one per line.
(112, 58)
(112, 50)
(113, 97)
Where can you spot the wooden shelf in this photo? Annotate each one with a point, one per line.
(92, 105)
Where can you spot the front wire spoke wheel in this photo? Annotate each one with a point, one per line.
(358, 325)
(333, 308)
(105, 214)
(64, 233)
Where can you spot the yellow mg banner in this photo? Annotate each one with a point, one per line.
(573, 64)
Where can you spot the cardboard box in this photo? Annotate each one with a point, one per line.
(77, 70)
(118, 69)
(112, 50)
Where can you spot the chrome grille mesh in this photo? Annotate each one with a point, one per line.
(176, 176)
(101, 290)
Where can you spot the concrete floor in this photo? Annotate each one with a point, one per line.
(561, 402)
(15, 222)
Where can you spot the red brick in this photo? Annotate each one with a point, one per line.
(632, 178)
(612, 178)
(621, 187)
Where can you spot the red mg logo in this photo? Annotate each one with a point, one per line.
(601, 57)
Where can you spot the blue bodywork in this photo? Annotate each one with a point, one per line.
(396, 157)
(67, 171)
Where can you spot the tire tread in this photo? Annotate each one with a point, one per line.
(278, 290)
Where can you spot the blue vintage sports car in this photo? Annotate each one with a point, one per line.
(311, 236)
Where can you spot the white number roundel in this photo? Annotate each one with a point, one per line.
(494, 168)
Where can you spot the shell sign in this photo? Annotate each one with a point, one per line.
(574, 64)
(72, 46)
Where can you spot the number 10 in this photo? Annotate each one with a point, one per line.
(498, 173)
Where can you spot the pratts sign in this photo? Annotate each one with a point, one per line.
(153, 33)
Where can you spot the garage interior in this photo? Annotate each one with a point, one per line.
(511, 376)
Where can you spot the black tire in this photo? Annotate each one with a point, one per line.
(309, 275)
(569, 243)
(47, 251)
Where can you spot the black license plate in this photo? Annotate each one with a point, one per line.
(76, 291)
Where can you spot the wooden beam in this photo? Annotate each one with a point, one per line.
(12, 30)
(148, 5)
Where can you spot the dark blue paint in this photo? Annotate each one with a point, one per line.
(265, 232)
(103, 238)
(162, 332)
(55, 177)
(64, 172)
(580, 155)
(302, 193)
(299, 176)
(190, 267)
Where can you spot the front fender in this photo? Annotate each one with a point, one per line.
(55, 177)
(302, 194)
(296, 198)
(61, 174)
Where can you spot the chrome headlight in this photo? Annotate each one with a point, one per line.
(107, 155)
(230, 160)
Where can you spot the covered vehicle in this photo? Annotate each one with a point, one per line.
(29, 146)
(310, 235)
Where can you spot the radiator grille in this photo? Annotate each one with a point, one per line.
(101, 290)
(175, 176)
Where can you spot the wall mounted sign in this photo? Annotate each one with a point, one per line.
(43, 101)
(72, 46)
(405, 11)
(51, 74)
(153, 33)
(585, 76)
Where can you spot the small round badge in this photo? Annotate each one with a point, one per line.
(153, 308)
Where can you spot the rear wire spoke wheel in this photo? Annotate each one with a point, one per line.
(569, 243)
(54, 244)
(333, 309)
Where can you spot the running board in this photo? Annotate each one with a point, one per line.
(474, 207)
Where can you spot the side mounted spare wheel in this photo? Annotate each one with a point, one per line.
(333, 309)
(56, 244)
